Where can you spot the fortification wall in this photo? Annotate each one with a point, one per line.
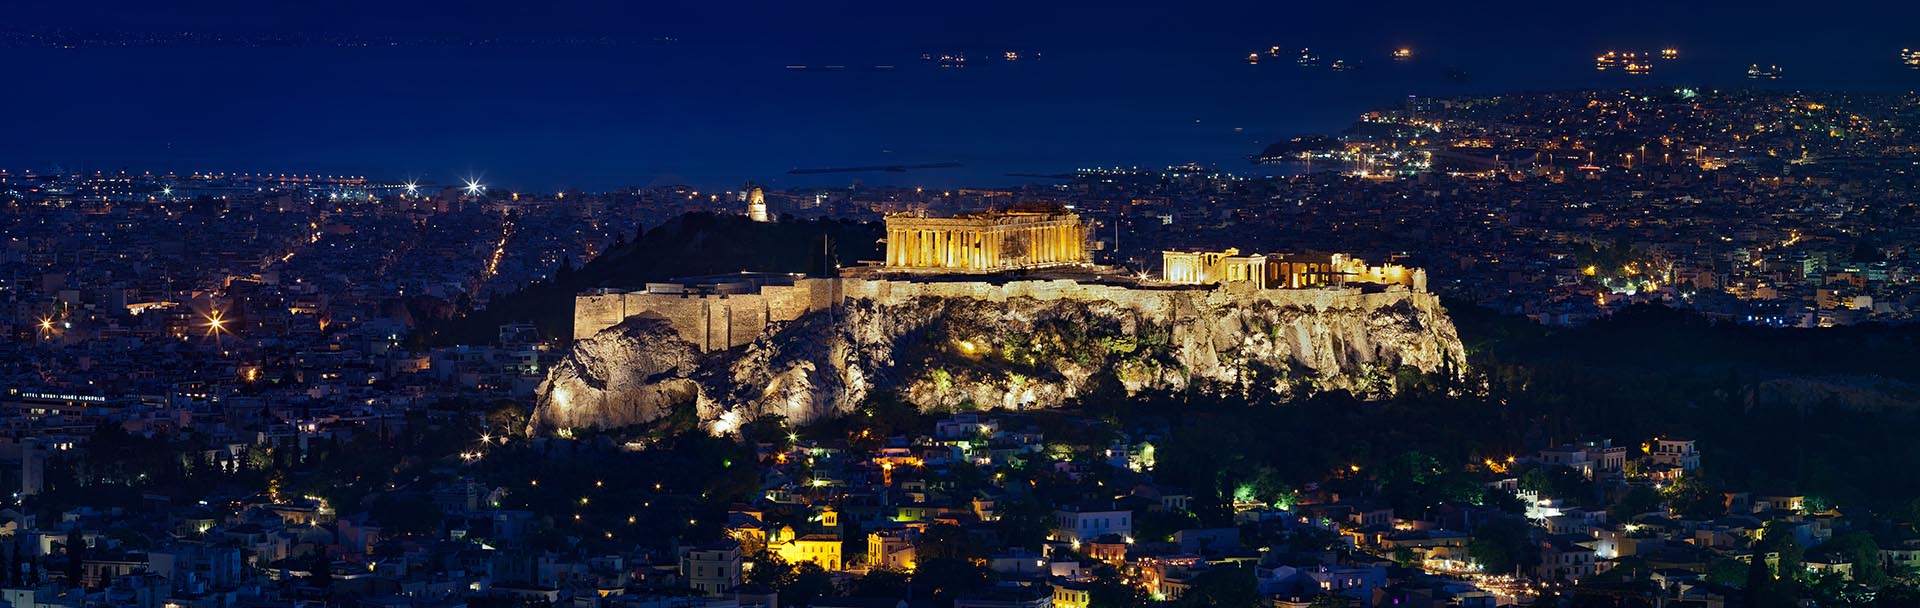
(710, 321)
(722, 321)
(595, 312)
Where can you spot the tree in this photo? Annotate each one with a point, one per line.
(769, 570)
(1639, 499)
(1691, 496)
(1759, 586)
(1727, 572)
(1859, 549)
(1111, 590)
(1502, 546)
(810, 582)
(953, 569)
(320, 571)
(1025, 523)
(76, 555)
(407, 514)
(1790, 573)
(1560, 482)
(880, 582)
(1222, 587)
(945, 542)
(1780, 586)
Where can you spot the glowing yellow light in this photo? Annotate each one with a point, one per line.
(216, 322)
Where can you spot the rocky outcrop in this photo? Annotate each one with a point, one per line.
(1022, 352)
(633, 373)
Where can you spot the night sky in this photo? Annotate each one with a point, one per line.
(698, 92)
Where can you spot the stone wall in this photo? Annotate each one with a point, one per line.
(711, 321)
(723, 321)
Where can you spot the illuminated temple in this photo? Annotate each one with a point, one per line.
(1283, 271)
(985, 242)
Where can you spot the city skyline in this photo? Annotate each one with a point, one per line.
(580, 304)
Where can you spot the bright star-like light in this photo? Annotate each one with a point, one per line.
(166, 191)
(413, 188)
(216, 323)
(474, 187)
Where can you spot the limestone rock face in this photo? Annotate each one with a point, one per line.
(632, 373)
(1022, 352)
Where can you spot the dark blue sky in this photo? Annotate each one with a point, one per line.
(1119, 82)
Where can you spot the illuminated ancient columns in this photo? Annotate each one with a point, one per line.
(984, 243)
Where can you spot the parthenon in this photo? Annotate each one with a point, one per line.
(986, 242)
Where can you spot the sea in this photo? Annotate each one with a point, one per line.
(713, 115)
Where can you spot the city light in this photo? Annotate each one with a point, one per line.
(664, 312)
(216, 322)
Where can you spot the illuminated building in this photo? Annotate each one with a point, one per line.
(821, 549)
(891, 549)
(987, 242)
(757, 205)
(1070, 594)
(1675, 452)
(1282, 271)
(1079, 525)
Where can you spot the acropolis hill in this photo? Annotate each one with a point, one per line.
(992, 310)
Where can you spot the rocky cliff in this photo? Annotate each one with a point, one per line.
(1020, 352)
